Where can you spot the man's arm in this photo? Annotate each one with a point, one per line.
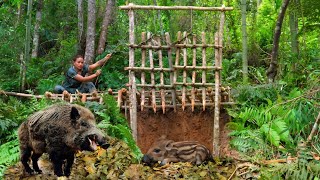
(99, 63)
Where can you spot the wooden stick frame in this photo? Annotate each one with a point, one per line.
(188, 95)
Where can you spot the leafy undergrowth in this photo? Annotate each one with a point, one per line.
(117, 162)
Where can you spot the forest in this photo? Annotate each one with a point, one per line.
(271, 62)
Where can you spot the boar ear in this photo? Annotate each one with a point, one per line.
(169, 145)
(74, 114)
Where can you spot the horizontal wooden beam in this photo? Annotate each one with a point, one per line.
(196, 8)
(148, 69)
(197, 67)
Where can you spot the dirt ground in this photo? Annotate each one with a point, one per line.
(182, 126)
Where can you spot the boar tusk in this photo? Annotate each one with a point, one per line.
(93, 144)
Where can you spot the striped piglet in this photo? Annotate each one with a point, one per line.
(166, 151)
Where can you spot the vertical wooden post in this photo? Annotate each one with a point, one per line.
(175, 73)
(162, 94)
(143, 76)
(194, 64)
(204, 72)
(185, 55)
(216, 126)
(173, 91)
(132, 79)
(152, 75)
(217, 98)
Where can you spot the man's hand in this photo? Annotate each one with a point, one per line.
(98, 72)
(104, 60)
(108, 56)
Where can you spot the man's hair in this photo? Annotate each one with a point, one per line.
(76, 57)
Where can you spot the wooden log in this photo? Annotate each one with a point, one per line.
(162, 94)
(194, 64)
(173, 91)
(143, 76)
(132, 6)
(204, 64)
(21, 94)
(194, 84)
(133, 88)
(152, 75)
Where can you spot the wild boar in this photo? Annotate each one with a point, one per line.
(59, 130)
(167, 151)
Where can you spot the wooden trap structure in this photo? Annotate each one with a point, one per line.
(163, 79)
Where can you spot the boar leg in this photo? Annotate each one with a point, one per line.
(67, 168)
(25, 155)
(57, 164)
(35, 157)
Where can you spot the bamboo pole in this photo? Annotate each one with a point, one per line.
(162, 94)
(184, 74)
(152, 75)
(143, 64)
(204, 64)
(173, 91)
(133, 88)
(132, 6)
(194, 63)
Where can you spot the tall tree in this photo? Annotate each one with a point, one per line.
(105, 24)
(37, 30)
(293, 21)
(272, 70)
(244, 41)
(81, 34)
(91, 30)
(27, 47)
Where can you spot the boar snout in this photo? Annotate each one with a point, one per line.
(103, 143)
(147, 160)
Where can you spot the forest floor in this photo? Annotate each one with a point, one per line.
(116, 162)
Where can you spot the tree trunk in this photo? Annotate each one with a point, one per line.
(91, 30)
(272, 70)
(105, 24)
(81, 37)
(35, 49)
(244, 41)
(293, 20)
(21, 8)
(27, 45)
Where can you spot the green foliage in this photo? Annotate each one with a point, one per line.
(9, 154)
(114, 123)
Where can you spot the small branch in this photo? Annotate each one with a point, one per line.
(314, 128)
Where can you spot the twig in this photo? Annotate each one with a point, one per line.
(278, 160)
(314, 128)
